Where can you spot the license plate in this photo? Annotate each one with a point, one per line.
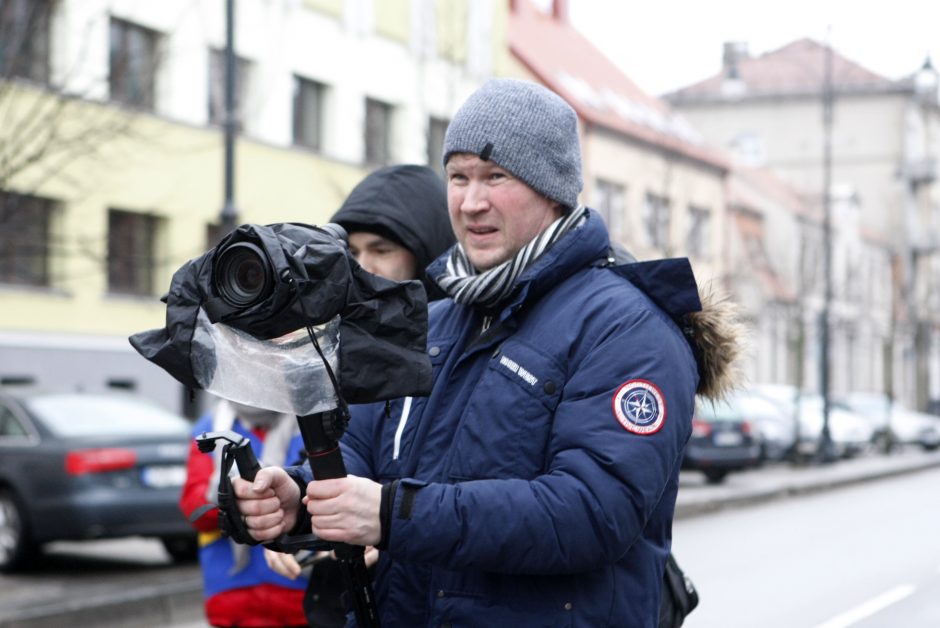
(164, 476)
(728, 439)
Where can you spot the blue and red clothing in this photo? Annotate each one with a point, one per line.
(240, 588)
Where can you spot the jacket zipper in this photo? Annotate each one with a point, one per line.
(405, 411)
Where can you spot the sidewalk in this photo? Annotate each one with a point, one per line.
(175, 598)
(782, 480)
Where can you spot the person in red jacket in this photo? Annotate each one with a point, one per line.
(240, 588)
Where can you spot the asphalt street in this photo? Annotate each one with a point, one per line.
(132, 582)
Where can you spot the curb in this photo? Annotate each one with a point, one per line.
(695, 507)
(165, 605)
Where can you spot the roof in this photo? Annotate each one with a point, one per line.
(567, 63)
(797, 68)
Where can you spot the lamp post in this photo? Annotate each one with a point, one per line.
(229, 214)
(825, 453)
(921, 173)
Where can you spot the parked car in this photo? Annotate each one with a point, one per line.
(775, 430)
(79, 466)
(892, 420)
(722, 441)
(850, 433)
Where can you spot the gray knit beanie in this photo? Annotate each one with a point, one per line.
(526, 129)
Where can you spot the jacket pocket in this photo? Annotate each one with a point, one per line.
(505, 427)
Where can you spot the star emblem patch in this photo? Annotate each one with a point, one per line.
(639, 407)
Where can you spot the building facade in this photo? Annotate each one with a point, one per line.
(882, 138)
(659, 185)
(112, 152)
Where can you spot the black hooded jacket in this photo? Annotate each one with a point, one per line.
(408, 205)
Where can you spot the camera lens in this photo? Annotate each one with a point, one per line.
(242, 275)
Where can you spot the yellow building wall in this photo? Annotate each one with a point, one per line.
(393, 19)
(451, 16)
(330, 7)
(170, 171)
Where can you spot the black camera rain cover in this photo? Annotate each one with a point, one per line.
(383, 324)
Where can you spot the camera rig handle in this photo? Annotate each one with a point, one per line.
(321, 433)
(238, 446)
(237, 449)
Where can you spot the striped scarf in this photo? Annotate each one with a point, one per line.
(486, 290)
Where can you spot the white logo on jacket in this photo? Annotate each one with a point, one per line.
(526, 376)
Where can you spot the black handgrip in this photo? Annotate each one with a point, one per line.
(238, 445)
(321, 433)
(237, 449)
(248, 465)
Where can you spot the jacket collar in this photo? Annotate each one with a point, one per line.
(669, 283)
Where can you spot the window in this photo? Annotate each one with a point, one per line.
(308, 113)
(749, 147)
(656, 220)
(699, 232)
(608, 200)
(24, 39)
(10, 426)
(131, 252)
(217, 86)
(25, 233)
(437, 128)
(378, 132)
(133, 64)
(756, 252)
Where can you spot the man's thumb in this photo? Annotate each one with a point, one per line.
(262, 481)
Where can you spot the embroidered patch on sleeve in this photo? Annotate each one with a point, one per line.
(639, 407)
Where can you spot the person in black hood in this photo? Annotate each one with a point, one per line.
(397, 223)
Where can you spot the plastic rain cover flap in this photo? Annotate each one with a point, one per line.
(284, 374)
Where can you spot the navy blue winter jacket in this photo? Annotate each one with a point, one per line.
(539, 478)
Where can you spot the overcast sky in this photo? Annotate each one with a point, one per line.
(666, 44)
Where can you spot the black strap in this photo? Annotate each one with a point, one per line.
(679, 595)
(385, 512)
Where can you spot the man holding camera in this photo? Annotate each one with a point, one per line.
(536, 484)
(396, 222)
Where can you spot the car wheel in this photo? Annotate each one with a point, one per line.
(15, 547)
(715, 476)
(182, 549)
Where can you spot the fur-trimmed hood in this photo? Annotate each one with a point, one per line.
(710, 322)
(718, 339)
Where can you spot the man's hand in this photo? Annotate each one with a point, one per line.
(283, 564)
(270, 504)
(345, 510)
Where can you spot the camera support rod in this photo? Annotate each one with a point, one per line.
(321, 433)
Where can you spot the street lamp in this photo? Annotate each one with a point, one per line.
(229, 214)
(920, 173)
(825, 443)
